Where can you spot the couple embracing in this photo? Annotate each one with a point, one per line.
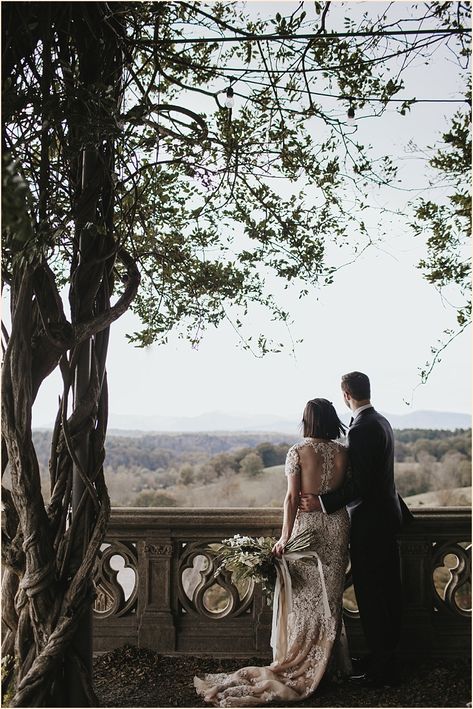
(343, 496)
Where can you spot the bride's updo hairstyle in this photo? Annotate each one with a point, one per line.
(320, 420)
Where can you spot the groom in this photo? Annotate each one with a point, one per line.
(377, 514)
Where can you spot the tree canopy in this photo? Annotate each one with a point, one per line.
(446, 225)
(202, 195)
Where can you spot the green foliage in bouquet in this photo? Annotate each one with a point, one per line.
(252, 558)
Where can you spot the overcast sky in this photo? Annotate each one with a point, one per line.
(379, 316)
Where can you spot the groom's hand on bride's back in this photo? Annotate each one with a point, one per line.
(308, 502)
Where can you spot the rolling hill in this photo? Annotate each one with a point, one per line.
(223, 421)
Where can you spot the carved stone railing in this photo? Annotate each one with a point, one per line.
(156, 587)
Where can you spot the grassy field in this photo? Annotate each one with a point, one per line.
(269, 487)
(264, 490)
(459, 496)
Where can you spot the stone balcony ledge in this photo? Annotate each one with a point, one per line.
(156, 590)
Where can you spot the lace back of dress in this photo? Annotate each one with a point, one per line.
(327, 450)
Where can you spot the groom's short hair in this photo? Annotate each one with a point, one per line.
(357, 385)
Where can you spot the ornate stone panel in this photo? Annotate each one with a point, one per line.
(200, 592)
(451, 577)
(116, 580)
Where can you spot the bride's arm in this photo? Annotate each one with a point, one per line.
(291, 501)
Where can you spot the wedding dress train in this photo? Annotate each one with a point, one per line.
(308, 632)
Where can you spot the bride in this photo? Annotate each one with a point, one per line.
(309, 630)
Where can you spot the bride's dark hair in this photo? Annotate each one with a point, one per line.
(320, 420)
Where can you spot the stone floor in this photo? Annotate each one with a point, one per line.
(130, 677)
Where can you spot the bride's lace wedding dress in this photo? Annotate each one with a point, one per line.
(314, 632)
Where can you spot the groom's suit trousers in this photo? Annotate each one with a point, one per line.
(375, 565)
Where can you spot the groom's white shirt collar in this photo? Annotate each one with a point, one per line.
(360, 409)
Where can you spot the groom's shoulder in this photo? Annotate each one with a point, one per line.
(370, 415)
(382, 419)
(381, 423)
(370, 419)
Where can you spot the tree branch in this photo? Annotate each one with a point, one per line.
(82, 331)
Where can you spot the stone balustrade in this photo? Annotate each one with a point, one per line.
(156, 587)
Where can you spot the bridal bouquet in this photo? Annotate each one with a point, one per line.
(252, 558)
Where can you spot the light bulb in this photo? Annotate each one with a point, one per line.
(351, 114)
(229, 101)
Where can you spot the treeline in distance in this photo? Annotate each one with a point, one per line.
(172, 469)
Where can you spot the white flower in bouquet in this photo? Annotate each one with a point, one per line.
(252, 558)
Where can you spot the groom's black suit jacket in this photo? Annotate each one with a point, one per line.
(371, 455)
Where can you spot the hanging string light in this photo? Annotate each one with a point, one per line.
(229, 93)
(229, 100)
(351, 114)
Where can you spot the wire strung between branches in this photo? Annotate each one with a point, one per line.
(312, 36)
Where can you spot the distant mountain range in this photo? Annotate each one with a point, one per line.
(220, 421)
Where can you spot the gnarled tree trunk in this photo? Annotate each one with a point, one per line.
(49, 549)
